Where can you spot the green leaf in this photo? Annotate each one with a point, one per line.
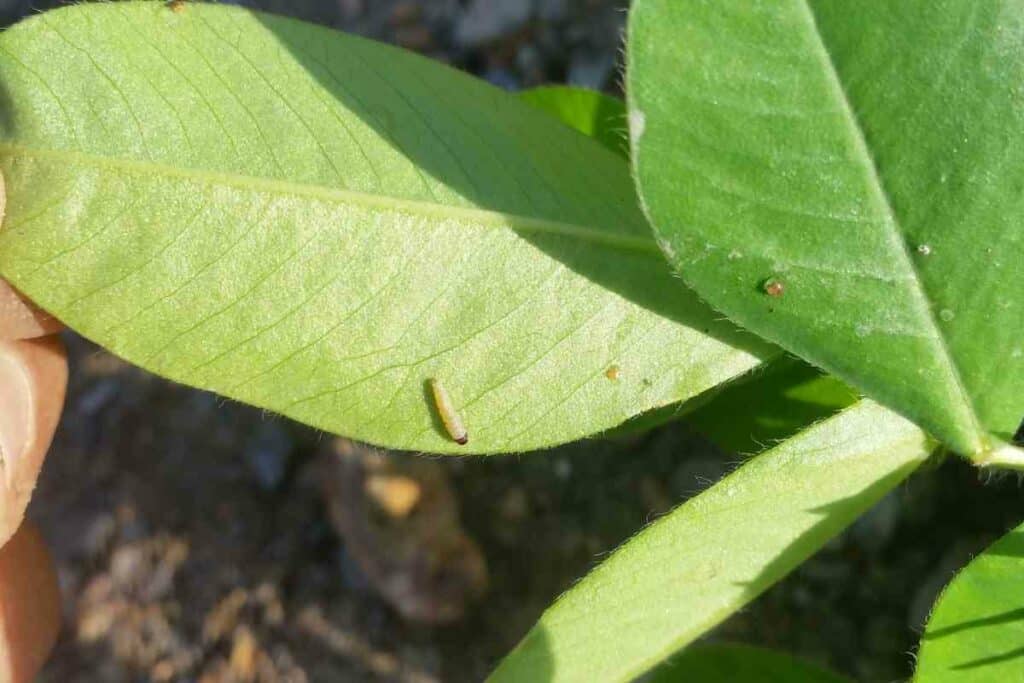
(770, 405)
(594, 114)
(731, 663)
(976, 631)
(318, 224)
(700, 563)
(860, 155)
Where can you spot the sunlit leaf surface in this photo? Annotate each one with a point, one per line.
(318, 224)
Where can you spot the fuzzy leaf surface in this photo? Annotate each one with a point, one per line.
(692, 568)
(863, 159)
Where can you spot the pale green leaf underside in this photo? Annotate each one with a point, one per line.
(692, 568)
(317, 224)
(728, 663)
(976, 631)
(865, 154)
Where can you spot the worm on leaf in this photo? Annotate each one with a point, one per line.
(452, 422)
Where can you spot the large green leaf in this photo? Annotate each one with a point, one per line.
(739, 664)
(317, 224)
(692, 568)
(976, 632)
(865, 157)
(594, 114)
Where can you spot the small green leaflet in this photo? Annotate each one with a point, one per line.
(692, 568)
(976, 631)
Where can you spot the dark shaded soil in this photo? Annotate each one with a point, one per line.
(193, 545)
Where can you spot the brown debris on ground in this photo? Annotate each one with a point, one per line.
(398, 517)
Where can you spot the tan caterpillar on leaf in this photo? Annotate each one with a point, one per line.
(452, 422)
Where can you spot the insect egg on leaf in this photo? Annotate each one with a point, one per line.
(773, 287)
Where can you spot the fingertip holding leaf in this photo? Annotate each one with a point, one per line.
(314, 223)
(887, 198)
(33, 380)
(17, 414)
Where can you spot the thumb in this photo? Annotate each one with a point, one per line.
(33, 381)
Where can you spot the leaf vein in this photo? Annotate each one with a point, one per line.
(896, 234)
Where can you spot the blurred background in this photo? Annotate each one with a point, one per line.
(201, 540)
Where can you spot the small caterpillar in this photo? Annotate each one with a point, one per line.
(452, 422)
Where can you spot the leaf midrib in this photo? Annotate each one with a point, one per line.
(488, 218)
(980, 444)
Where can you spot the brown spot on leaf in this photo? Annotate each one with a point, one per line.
(773, 287)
